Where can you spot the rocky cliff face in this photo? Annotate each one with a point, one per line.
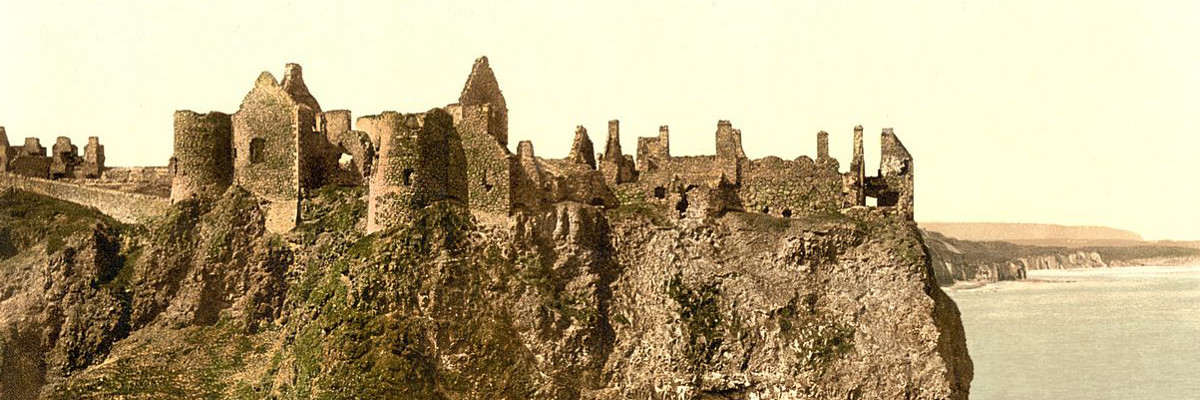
(568, 302)
(961, 260)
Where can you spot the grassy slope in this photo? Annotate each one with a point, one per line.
(27, 219)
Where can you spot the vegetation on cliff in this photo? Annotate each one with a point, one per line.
(567, 302)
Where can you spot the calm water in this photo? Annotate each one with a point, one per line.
(1122, 333)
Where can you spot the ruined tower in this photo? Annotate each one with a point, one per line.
(730, 157)
(65, 157)
(582, 151)
(277, 151)
(616, 166)
(822, 145)
(854, 179)
(416, 166)
(481, 119)
(729, 141)
(93, 159)
(202, 164)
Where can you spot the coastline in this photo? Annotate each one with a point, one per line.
(979, 284)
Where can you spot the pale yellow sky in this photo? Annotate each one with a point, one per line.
(1081, 112)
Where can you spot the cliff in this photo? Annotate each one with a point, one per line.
(1031, 233)
(569, 301)
(955, 260)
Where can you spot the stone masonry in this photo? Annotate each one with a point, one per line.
(420, 162)
(280, 144)
(203, 160)
(62, 162)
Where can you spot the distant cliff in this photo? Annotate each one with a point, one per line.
(955, 260)
(568, 302)
(1043, 234)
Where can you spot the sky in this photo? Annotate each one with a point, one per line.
(1069, 112)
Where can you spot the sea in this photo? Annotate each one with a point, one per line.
(1104, 333)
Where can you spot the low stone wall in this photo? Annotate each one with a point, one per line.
(124, 207)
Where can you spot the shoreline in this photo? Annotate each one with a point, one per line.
(972, 285)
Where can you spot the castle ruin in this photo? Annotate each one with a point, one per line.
(280, 144)
(63, 161)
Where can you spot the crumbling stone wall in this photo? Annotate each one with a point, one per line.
(157, 175)
(283, 144)
(653, 151)
(699, 202)
(124, 207)
(481, 119)
(354, 150)
(420, 162)
(278, 149)
(64, 161)
(729, 141)
(154, 181)
(784, 188)
(203, 160)
(530, 185)
(31, 160)
(893, 187)
(540, 183)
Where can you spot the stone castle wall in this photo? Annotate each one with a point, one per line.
(652, 151)
(156, 175)
(354, 149)
(122, 206)
(791, 187)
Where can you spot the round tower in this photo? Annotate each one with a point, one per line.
(203, 160)
(394, 176)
